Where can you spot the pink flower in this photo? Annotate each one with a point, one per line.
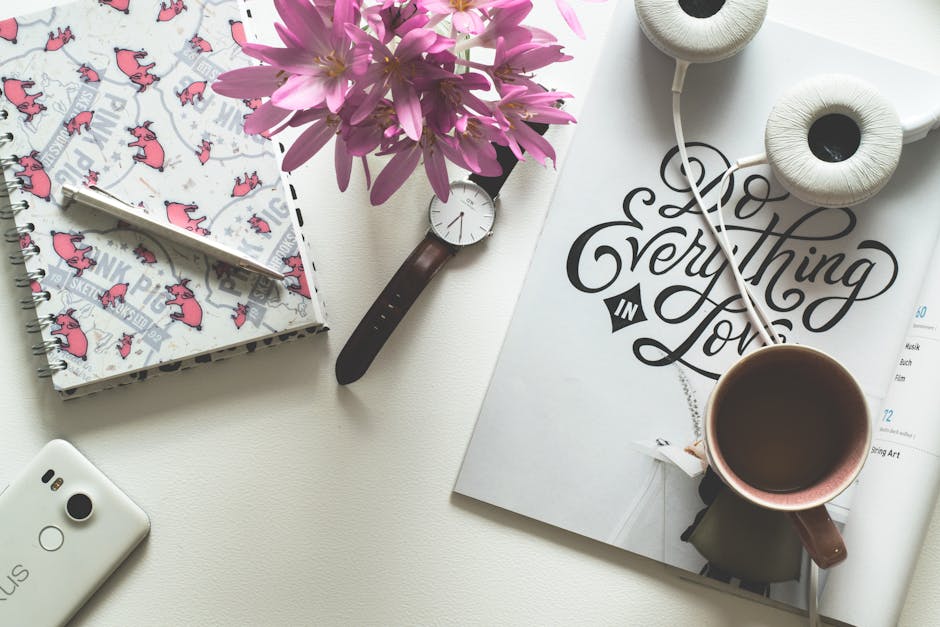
(515, 64)
(466, 14)
(571, 17)
(397, 71)
(520, 105)
(407, 153)
(320, 60)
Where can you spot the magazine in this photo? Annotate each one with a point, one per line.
(628, 315)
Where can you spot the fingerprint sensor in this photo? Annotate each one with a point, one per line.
(51, 538)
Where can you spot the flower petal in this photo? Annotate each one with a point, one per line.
(264, 117)
(257, 81)
(300, 92)
(395, 173)
(568, 13)
(408, 108)
(342, 163)
(307, 144)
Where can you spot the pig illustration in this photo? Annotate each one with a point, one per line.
(203, 151)
(34, 177)
(151, 151)
(178, 214)
(190, 312)
(193, 91)
(25, 241)
(241, 314)
(9, 29)
(144, 255)
(35, 287)
(65, 247)
(88, 74)
(118, 5)
(171, 10)
(140, 75)
(243, 187)
(91, 179)
(74, 341)
(296, 266)
(200, 45)
(82, 119)
(113, 295)
(124, 348)
(56, 42)
(238, 32)
(15, 92)
(259, 224)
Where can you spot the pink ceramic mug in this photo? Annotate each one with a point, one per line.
(787, 428)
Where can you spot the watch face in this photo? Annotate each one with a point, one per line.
(466, 217)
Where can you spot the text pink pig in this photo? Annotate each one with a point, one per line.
(65, 247)
(127, 61)
(114, 295)
(190, 312)
(178, 214)
(74, 341)
(15, 92)
(34, 177)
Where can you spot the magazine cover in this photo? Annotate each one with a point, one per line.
(629, 314)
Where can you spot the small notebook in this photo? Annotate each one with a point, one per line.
(117, 94)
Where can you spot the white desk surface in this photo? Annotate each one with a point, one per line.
(279, 498)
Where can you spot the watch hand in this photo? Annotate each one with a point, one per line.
(455, 219)
(460, 236)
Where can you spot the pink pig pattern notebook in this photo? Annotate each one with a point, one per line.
(117, 93)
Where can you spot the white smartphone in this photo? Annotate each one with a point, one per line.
(64, 528)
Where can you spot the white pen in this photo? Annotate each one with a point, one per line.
(103, 201)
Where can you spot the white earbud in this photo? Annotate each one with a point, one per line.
(701, 31)
(833, 141)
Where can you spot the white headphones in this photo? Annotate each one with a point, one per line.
(832, 141)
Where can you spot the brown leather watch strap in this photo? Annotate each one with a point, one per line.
(390, 307)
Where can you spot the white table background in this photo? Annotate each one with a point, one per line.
(279, 498)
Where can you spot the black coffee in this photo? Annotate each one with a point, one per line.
(781, 422)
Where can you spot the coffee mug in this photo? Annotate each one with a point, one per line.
(787, 428)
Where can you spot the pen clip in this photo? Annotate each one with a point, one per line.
(95, 188)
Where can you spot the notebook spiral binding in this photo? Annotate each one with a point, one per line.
(28, 279)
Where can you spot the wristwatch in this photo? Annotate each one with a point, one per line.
(465, 219)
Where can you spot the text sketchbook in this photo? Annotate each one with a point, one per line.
(118, 95)
(628, 313)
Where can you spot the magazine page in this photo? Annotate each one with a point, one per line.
(628, 313)
(900, 480)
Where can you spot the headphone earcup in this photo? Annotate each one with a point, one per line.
(701, 31)
(833, 141)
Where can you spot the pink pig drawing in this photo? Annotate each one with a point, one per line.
(193, 91)
(190, 312)
(178, 214)
(74, 341)
(243, 187)
(124, 348)
(297, 271)
(241, 315)
(25, 241)
(127, 61)
(15, 92)
(118, 5)
(113, 295)
(56, 42)
(65, 247)
(144, 255)
(238, 32)
(82, 119)
(88, 74)
(35, 287)
(259, 224)
(91, 179)
(171, 10)
(36, 180)
(203, 151)
(200, 45)
(151, 150)
(9, 29)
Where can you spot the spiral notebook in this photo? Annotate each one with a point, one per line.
(117, 94)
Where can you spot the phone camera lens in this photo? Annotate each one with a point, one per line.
(79, 507)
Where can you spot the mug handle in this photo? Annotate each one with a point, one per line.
(819, 535)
